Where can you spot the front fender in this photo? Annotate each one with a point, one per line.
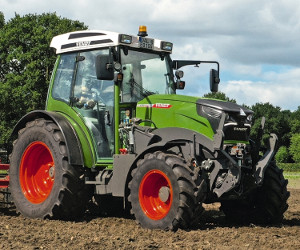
(75, 154)
(146, 139)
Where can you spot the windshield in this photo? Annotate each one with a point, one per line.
(145, 74)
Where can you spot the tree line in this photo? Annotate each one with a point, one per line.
(26, 63)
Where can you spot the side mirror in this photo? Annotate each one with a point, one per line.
(214, 80)
(104, 67)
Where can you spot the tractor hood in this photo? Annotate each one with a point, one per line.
(225, 106)
(194, 113)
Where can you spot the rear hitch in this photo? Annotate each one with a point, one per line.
(264, 162)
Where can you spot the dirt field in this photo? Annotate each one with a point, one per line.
(214, 232)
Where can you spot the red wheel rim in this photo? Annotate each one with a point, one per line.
(155, 194)
(37, 172)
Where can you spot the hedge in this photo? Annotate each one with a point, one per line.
(289, 167)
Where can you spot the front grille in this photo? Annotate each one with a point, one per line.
(233, 131)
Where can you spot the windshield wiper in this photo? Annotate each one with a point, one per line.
(140, 90)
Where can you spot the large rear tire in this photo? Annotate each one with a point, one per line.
(266, 205)
(42, 182)
(165, 192)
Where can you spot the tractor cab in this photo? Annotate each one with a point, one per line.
(100, 76)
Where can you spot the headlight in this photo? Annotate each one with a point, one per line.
(214, 113)
(249, 118)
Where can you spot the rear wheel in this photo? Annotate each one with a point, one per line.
(42, 182)
(266, 205)
(165, 192)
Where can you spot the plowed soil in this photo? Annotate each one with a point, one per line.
(213, 232)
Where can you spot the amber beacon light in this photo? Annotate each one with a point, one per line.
(142, 31)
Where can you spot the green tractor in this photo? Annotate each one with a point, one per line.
(114, 129)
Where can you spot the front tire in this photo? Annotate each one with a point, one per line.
(165, 192)
(266, 205)
(42, 182)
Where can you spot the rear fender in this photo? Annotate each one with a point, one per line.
(75, 154)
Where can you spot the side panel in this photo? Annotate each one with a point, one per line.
(122, 165)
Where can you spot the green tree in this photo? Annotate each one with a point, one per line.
(282, 155)
(295, 122)
(219, 96)
(2, 20)
(26, 63)
(295, 147)
(277, 122)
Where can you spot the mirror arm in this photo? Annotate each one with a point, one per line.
(177, 64)
(114, 53)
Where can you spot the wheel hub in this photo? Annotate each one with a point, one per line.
(164, 193)
(51, 171)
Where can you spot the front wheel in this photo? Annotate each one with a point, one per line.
(165, 192)
(266, 205)
(42, 182)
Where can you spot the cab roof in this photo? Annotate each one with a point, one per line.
(91, 39)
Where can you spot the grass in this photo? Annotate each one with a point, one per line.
(293, 178)
(292, 175)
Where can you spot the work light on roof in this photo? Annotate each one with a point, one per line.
(125, 39)
(166, 46)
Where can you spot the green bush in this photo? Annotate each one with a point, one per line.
(295, 147)
(289, 167)
(282, 155)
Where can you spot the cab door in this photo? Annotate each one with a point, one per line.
(93, 99)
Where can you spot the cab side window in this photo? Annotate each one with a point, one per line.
(94, 101)
(63, 77)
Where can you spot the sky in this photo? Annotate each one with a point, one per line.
(256, 42)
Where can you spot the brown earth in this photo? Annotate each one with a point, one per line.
(213, 232)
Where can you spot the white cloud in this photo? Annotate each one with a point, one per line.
(282, 89)
(243, 36)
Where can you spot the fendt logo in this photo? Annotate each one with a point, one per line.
(156, 105)
(161, 106)
(83, 43)
(239, 129)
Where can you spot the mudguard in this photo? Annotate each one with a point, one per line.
(75, 154)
